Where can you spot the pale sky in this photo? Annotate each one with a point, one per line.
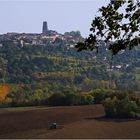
(62, 15)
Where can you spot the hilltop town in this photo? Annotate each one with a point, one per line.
(47, 36)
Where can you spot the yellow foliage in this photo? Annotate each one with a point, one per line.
(4, 90)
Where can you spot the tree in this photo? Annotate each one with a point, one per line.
(119, 29)
(99, 95)
(121, 105)
(57, 99)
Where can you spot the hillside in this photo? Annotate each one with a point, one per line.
(58, 61)
(36, 71)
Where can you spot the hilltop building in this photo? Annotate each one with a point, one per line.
(47, 36)
(45, 28)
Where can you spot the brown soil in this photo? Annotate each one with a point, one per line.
(73, 122)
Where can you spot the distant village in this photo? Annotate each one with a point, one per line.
(47, 36)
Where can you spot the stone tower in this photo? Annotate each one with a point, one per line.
(45, 28)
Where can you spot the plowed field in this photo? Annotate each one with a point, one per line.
(73, 122)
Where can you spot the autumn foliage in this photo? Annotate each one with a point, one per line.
(4, 90)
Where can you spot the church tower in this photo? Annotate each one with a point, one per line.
(45, 28)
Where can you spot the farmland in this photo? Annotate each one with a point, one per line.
(73, 122)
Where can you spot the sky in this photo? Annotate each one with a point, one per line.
(61, 15)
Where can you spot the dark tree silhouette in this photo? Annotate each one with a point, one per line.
(118, 24)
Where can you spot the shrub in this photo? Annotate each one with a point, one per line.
(57, 99)
(89, 99)
(84, 99)
(136, 99)
(127, 108)
(110, 106)
(99, 95)
(120, 105)
(71, 99)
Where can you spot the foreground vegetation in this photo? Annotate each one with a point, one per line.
(117, 104)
